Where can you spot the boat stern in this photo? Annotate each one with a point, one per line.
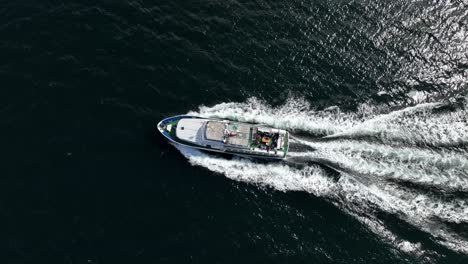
(286, 144)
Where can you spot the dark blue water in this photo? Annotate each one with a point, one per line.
(374, 92)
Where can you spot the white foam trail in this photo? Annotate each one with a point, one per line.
(346, 193)
(415, 125)
(413, 165)
(295, 114)
(412, 125)
(443, 169)
(378, 228)
(366, 166)
(281, 177)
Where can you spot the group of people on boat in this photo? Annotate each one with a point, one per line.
(266, 140)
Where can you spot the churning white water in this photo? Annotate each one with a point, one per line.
(411, 162)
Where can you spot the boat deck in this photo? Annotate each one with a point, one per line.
(215, 131)
(242, 137)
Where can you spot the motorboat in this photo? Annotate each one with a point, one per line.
(226, 136)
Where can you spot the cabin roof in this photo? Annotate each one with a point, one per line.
(188, 129)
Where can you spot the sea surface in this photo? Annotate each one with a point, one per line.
(375, 94)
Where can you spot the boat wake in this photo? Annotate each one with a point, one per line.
(410, 164)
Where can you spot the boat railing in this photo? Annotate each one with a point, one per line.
(250, 152)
